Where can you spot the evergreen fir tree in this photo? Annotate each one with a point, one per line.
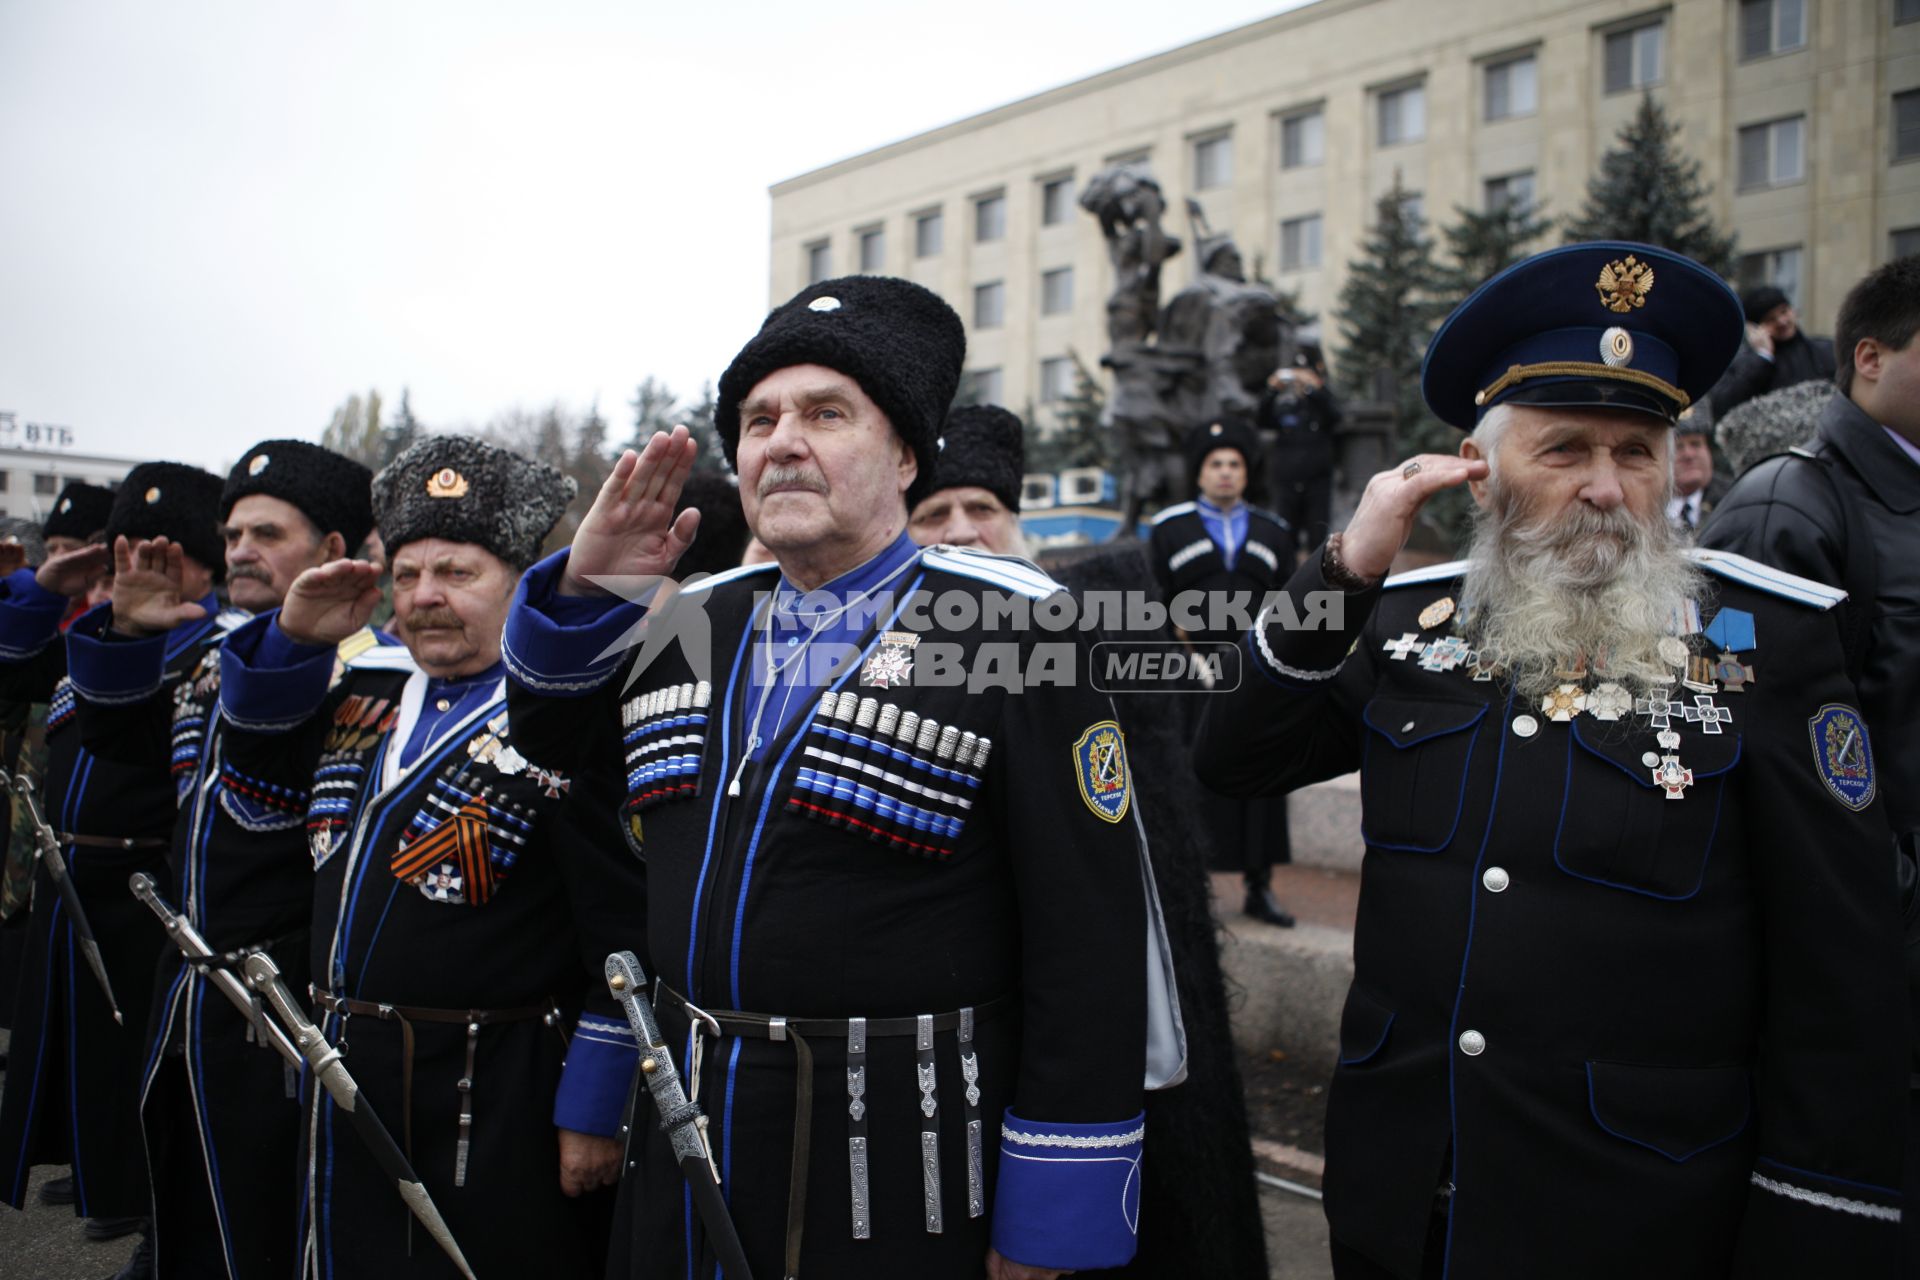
(397, 435)
(1480, 245)
(1649, 190)
(1388, 307)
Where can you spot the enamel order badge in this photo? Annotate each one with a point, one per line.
(1842, 755)
(1100, 766)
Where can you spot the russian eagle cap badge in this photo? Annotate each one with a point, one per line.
(1624, 284)
(1842, 755)
(1100, 767)
(446, 483)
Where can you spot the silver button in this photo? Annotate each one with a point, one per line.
(1472, 1043)
(1525, 726)
(1650, 759)
(1407, 727)
(1496, 879)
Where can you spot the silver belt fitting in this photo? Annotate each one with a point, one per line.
(857, 1126)
(930, 1124)
(970, 1072)
(465, 1086)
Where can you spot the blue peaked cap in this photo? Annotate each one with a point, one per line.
(1608, 324)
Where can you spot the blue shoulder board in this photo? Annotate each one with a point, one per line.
(1762, 577)
(1009, 573)
(1168, 513)
(1432, 573)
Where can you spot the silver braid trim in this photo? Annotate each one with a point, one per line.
(1821, 1200)
(1127, 1139)
(1291, 673)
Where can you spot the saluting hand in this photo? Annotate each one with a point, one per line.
(330, 602)
(149, 591)
(71, 572)
(1391, 503)
(631, 530)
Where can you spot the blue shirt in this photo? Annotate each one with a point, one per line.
(1228, 529)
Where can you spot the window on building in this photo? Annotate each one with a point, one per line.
(1403, 115)
(1905, 11)
(1303, 139)
(1771, 26)
(1513, 87)
(929, 230)
(983, 386)
(4, 475)
(1057, 381)
(819, 261)
(1904, 243)
(1771, 154)
(1777, 267)
(1213, 162)
(1056, 291)
(990, 218)
(1510, 191)
(1906, 125)
(1634, 57)
(1300, 243)
(873, 249)
(989, 305)
(46, 484)
(1056, 201)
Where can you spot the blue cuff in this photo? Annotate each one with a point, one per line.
(564, 646)
(112, 670)
(29, 616)
(597, 1075)
(268, 682)
(1068, 1197)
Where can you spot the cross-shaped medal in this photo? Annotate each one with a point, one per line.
(1673, 777)
(1657, 709)
(1445, 654)
(1406, 644)
(1710, 717)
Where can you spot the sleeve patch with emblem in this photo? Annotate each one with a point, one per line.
(1842, 755)
(1100, 768)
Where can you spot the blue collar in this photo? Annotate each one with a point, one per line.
(1207, 507)
(849, 585)
(492, 675)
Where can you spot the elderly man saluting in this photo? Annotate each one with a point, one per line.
(1627, 989)
(463, 900)
(928, 892)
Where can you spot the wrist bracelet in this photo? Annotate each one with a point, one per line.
(1335, 570)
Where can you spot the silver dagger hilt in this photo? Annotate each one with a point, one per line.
(679, 1117)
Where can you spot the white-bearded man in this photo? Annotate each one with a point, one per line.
(1627, 995)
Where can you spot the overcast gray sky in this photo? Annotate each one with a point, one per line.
(217, 220)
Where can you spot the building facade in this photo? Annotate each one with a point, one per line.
(34, 467)
(1805, 115)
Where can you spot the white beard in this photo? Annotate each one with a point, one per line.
(1596, 585)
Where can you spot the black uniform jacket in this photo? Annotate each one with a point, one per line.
(469, 881)
(1625, 1034)
(1785, 513)
(73, 1079)
(242, 877)
(1185, 558)
(852, 879)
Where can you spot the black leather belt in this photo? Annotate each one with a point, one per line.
(111, 842)
(856, 1032)
(406, 1016)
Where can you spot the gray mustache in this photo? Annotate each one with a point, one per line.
(791, 478)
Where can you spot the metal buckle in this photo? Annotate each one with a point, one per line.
(777, 1030)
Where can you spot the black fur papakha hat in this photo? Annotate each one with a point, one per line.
(901, 342)
(174, 501)
(1228, 433)
(465, 490)
(80, 511)
(332, 490)
(983, 446)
